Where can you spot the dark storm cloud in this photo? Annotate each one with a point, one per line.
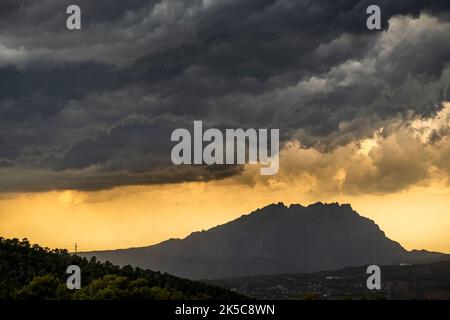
(45, 89)
(94, 109)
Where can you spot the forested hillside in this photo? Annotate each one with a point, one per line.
(31, 272)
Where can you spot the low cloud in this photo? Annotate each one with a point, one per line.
(400, 155)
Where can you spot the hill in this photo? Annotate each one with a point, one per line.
(32, 272)
(271, 240)
(417, 281)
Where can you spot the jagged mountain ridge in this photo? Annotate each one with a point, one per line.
(271, 240)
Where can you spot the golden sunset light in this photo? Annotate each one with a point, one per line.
(224, 150)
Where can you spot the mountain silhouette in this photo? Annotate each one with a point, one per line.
(274, 239)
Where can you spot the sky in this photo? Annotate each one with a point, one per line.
(86, 115)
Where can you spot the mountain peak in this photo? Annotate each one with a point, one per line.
(280, 206)
(332, 205)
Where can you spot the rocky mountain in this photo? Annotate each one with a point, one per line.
(272, 240)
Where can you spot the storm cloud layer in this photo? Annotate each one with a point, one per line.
(94, 109)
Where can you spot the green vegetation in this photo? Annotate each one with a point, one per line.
(32, 272)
